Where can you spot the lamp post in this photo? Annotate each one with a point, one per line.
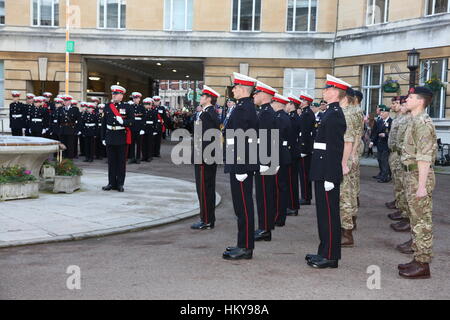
(413, 65)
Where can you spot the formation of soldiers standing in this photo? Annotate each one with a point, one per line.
(78, 125)
(324, 146)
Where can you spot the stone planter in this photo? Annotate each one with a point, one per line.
(66, 184)
(13, 191)
(48, 172)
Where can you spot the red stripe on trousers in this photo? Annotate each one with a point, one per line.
(204, 193)
(246, 215)
(329, 225)
(265, 204)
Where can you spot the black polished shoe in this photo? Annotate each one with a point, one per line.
(202, 226)
(313, 257)
(377, 177)
(292, 213)
(263, 235)
(231, 248)
(120, 189)
(280, 224)
(304, 202)
(238, 254)
(86, 160)
(323, 263)
(138, 161)
(107, 188)
(384, 180)
(131, 161)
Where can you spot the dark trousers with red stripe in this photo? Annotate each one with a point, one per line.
(116, 164)
(136, 146)
(294, 197)
(89, 148)
(242, 195)
(205, 180)
(157, 144)
(328, 221)
(265, 201)
(282, 193)
(306, 186)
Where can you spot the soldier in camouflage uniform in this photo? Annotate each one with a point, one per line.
(418, 156)
(348, 193)
(393, 155)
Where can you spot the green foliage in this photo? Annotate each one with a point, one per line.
(15, 174)
(67, 168)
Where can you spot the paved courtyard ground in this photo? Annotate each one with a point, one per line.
(174, 262)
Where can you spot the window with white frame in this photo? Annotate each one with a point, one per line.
(377, 12)
(297, 81)
(45, 13)
(112, 14)
(2, 11)
(435, 69)
(2, 82)
(437, 6)
(178, 15)
(246, 15)
(302, 15)
(372, 87)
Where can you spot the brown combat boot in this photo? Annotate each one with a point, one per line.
(391, 205)
(405, 266)
(406, 247)
(416, 270)
(354, 222)
(347, 238)
(401, 226)
(396, 216)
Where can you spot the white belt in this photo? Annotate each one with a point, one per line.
(320, 146)
(55, 121)
(114, 128)
(137, 118)
(149, 122)
(250, 140)
(285, 143)
(89, 124)
(155, 133)
(17, 115)
(36, 120)
(230, 141)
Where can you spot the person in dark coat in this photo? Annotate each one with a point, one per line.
(150, 123)
(17, 115)
(68, 119)
(88, 129)
(380, 139)
(39, 118)
(137, 131)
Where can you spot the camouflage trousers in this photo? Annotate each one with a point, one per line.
(348, 200)
(399, 190)
(420, 215)
(356, 180)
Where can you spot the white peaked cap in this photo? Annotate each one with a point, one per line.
(244, 80)
(338, 83)
(281, 99)
(210, 91)
(266, 88)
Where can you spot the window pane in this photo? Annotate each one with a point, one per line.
(290, 16)
(235, 14)
(375, 77)
(365, 76)
(301, 19)
(297, 81)
(257, 15)
(287, 83)
(123, 14)
(1, 84)
(380, 6)
(102, 14)
(374, 100)
(167, 13)
(190, 14)
(369, 16)
(46, 12)
(313, 17)
(56, 12)
(2, 12)
(246, 15)
(441, 6)
(112, 13)
(178, 18)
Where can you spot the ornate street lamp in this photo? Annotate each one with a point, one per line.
(413, 65)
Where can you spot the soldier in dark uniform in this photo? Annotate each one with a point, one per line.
(79, 139)
(380, 140)
(315, 108)
(283, 124)
(68, 119)
(50, 107)
(17, 115)
(308, 121)
(161, 128)
(151, 122)
(54, 120)
(39, 118)
(265, 180)
(89, 129)
(327, 174)
(100, 150)
(116, 135)
(28, 105)
(137, 130)
(294, 142)
(205, 168)
(242, 169)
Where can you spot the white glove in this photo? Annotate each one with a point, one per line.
(142, 132)
(241, 177)
(79, 133)
(104, 142)
(276, 170)
(371, 145)
(329, 186)
(119, 119)
(263, 169)
(155, 133)
(44, 131)
(303, 155)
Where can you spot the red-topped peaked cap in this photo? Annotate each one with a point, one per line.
(243, 80)
(260, 86)
(336, 83)
(210, 91)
